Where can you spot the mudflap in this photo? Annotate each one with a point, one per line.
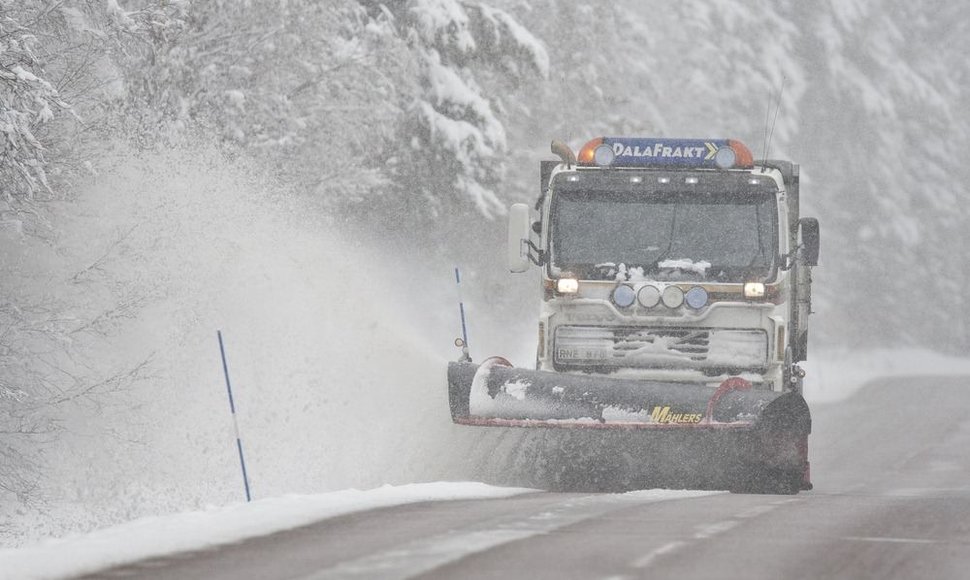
(774, 455)
(672, 434)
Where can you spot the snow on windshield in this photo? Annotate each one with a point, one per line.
(667, 270)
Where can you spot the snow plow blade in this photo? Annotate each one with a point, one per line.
(497, 394)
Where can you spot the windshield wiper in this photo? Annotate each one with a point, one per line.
(761, 243)
(670, 241)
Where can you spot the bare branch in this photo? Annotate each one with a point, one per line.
(110, 385)
(98, 263)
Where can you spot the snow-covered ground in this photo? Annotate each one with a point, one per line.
(833, 376)
(160, 535)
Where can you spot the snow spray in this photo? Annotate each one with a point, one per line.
(464, 331)
(232, 409)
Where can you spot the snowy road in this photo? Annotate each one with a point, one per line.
(892, 500)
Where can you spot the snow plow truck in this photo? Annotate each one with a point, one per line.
(676, 279)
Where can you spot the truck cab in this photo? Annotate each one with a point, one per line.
(680, 260)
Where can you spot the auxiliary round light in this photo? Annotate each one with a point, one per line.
(624, 296)
(603, 155)
(673, 297)
(649, 296)
(725, 158)
(696, 298)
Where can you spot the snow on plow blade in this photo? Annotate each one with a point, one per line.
(497, 394)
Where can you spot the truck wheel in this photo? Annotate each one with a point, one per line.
(771, 462)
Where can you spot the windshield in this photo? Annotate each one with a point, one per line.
(670, 236)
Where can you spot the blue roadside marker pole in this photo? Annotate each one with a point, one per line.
(232, 408)
(464, 331)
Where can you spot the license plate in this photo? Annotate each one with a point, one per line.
(583, 354)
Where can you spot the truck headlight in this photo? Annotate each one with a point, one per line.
(754, 290)
(567, 285)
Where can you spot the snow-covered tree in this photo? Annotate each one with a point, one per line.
(56, 75)
(306, 90)
(348, 101)
(28, 100)
(451, 149)
(880, 128)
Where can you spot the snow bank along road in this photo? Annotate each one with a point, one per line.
(892, 500)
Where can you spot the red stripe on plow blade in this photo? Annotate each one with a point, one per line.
(593, 424)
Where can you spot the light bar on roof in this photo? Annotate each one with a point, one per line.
(653, 152)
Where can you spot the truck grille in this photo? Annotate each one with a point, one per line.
(662, 348)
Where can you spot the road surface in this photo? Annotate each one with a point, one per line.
(891, 468)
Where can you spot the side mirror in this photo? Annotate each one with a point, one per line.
(810, 240)
(519, 225)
